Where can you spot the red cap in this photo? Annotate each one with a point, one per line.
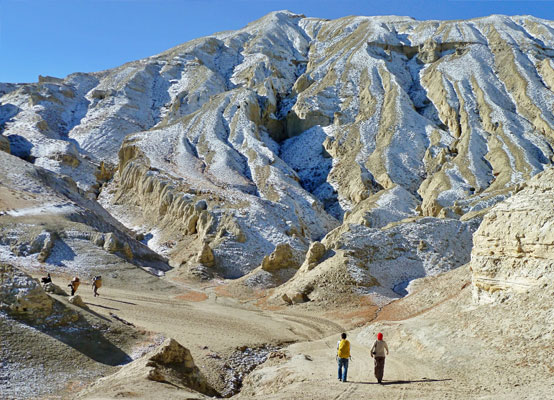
(379, 336)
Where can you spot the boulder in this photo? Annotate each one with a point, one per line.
(282, 257)
(300, 297)
(315, 253)
(46, 245)
(286, 299)
(228, 226)
(113, 244)
(98, 239)
(170, 363)
(54, 289)
(200, 205)
(76, 300)
(21, 295)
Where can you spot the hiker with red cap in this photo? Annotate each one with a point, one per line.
(378, 354)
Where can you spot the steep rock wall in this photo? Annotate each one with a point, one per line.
(514, 248)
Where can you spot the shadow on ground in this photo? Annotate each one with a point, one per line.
(85, 337)
(403, 382)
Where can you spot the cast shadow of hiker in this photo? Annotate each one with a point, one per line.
(119, 301)
(101, 306)
(404, 382)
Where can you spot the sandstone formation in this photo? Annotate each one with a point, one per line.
(77, 301)
(275, 268)
(170, 364)
(513, 248)
(173, 363)
(381, 262)
(313, 256)
(206, 256)
(281, 257)
(498, 307)
(47, 219)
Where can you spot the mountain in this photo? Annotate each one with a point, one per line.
(384, 138)
(339, 164)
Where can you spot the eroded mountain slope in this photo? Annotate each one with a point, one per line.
(281, 132)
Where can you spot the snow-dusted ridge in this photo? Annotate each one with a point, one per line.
(293, 127)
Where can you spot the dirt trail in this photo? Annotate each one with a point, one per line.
(311, 373)
(217, 325)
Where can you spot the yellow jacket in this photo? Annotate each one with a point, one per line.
(344, 349)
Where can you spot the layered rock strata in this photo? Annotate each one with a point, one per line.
(514, 248)
(46, 221)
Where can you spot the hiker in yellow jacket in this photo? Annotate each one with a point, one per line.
(343, 354)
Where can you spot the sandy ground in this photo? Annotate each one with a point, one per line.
(214, 327)
(312, 374)
(211, 326)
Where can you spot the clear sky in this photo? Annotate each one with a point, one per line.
(58, 37)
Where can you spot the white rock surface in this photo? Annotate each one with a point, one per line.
(292, 126)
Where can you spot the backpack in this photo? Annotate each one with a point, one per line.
(97, 281)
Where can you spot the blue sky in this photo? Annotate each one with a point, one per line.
(58, 37)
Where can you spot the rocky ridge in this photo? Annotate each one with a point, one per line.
(294, 130)
(169, 363)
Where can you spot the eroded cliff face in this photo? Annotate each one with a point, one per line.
(294, 130)
(46, 221)
(514, 248)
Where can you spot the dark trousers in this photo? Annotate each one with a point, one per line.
(343, 368)
(379, 368)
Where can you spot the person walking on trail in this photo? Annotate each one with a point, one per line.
(74, 285)
(343, 354)
(378, 354)
(96, 284)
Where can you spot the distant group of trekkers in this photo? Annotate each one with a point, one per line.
(76, 282)
(377, 352)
